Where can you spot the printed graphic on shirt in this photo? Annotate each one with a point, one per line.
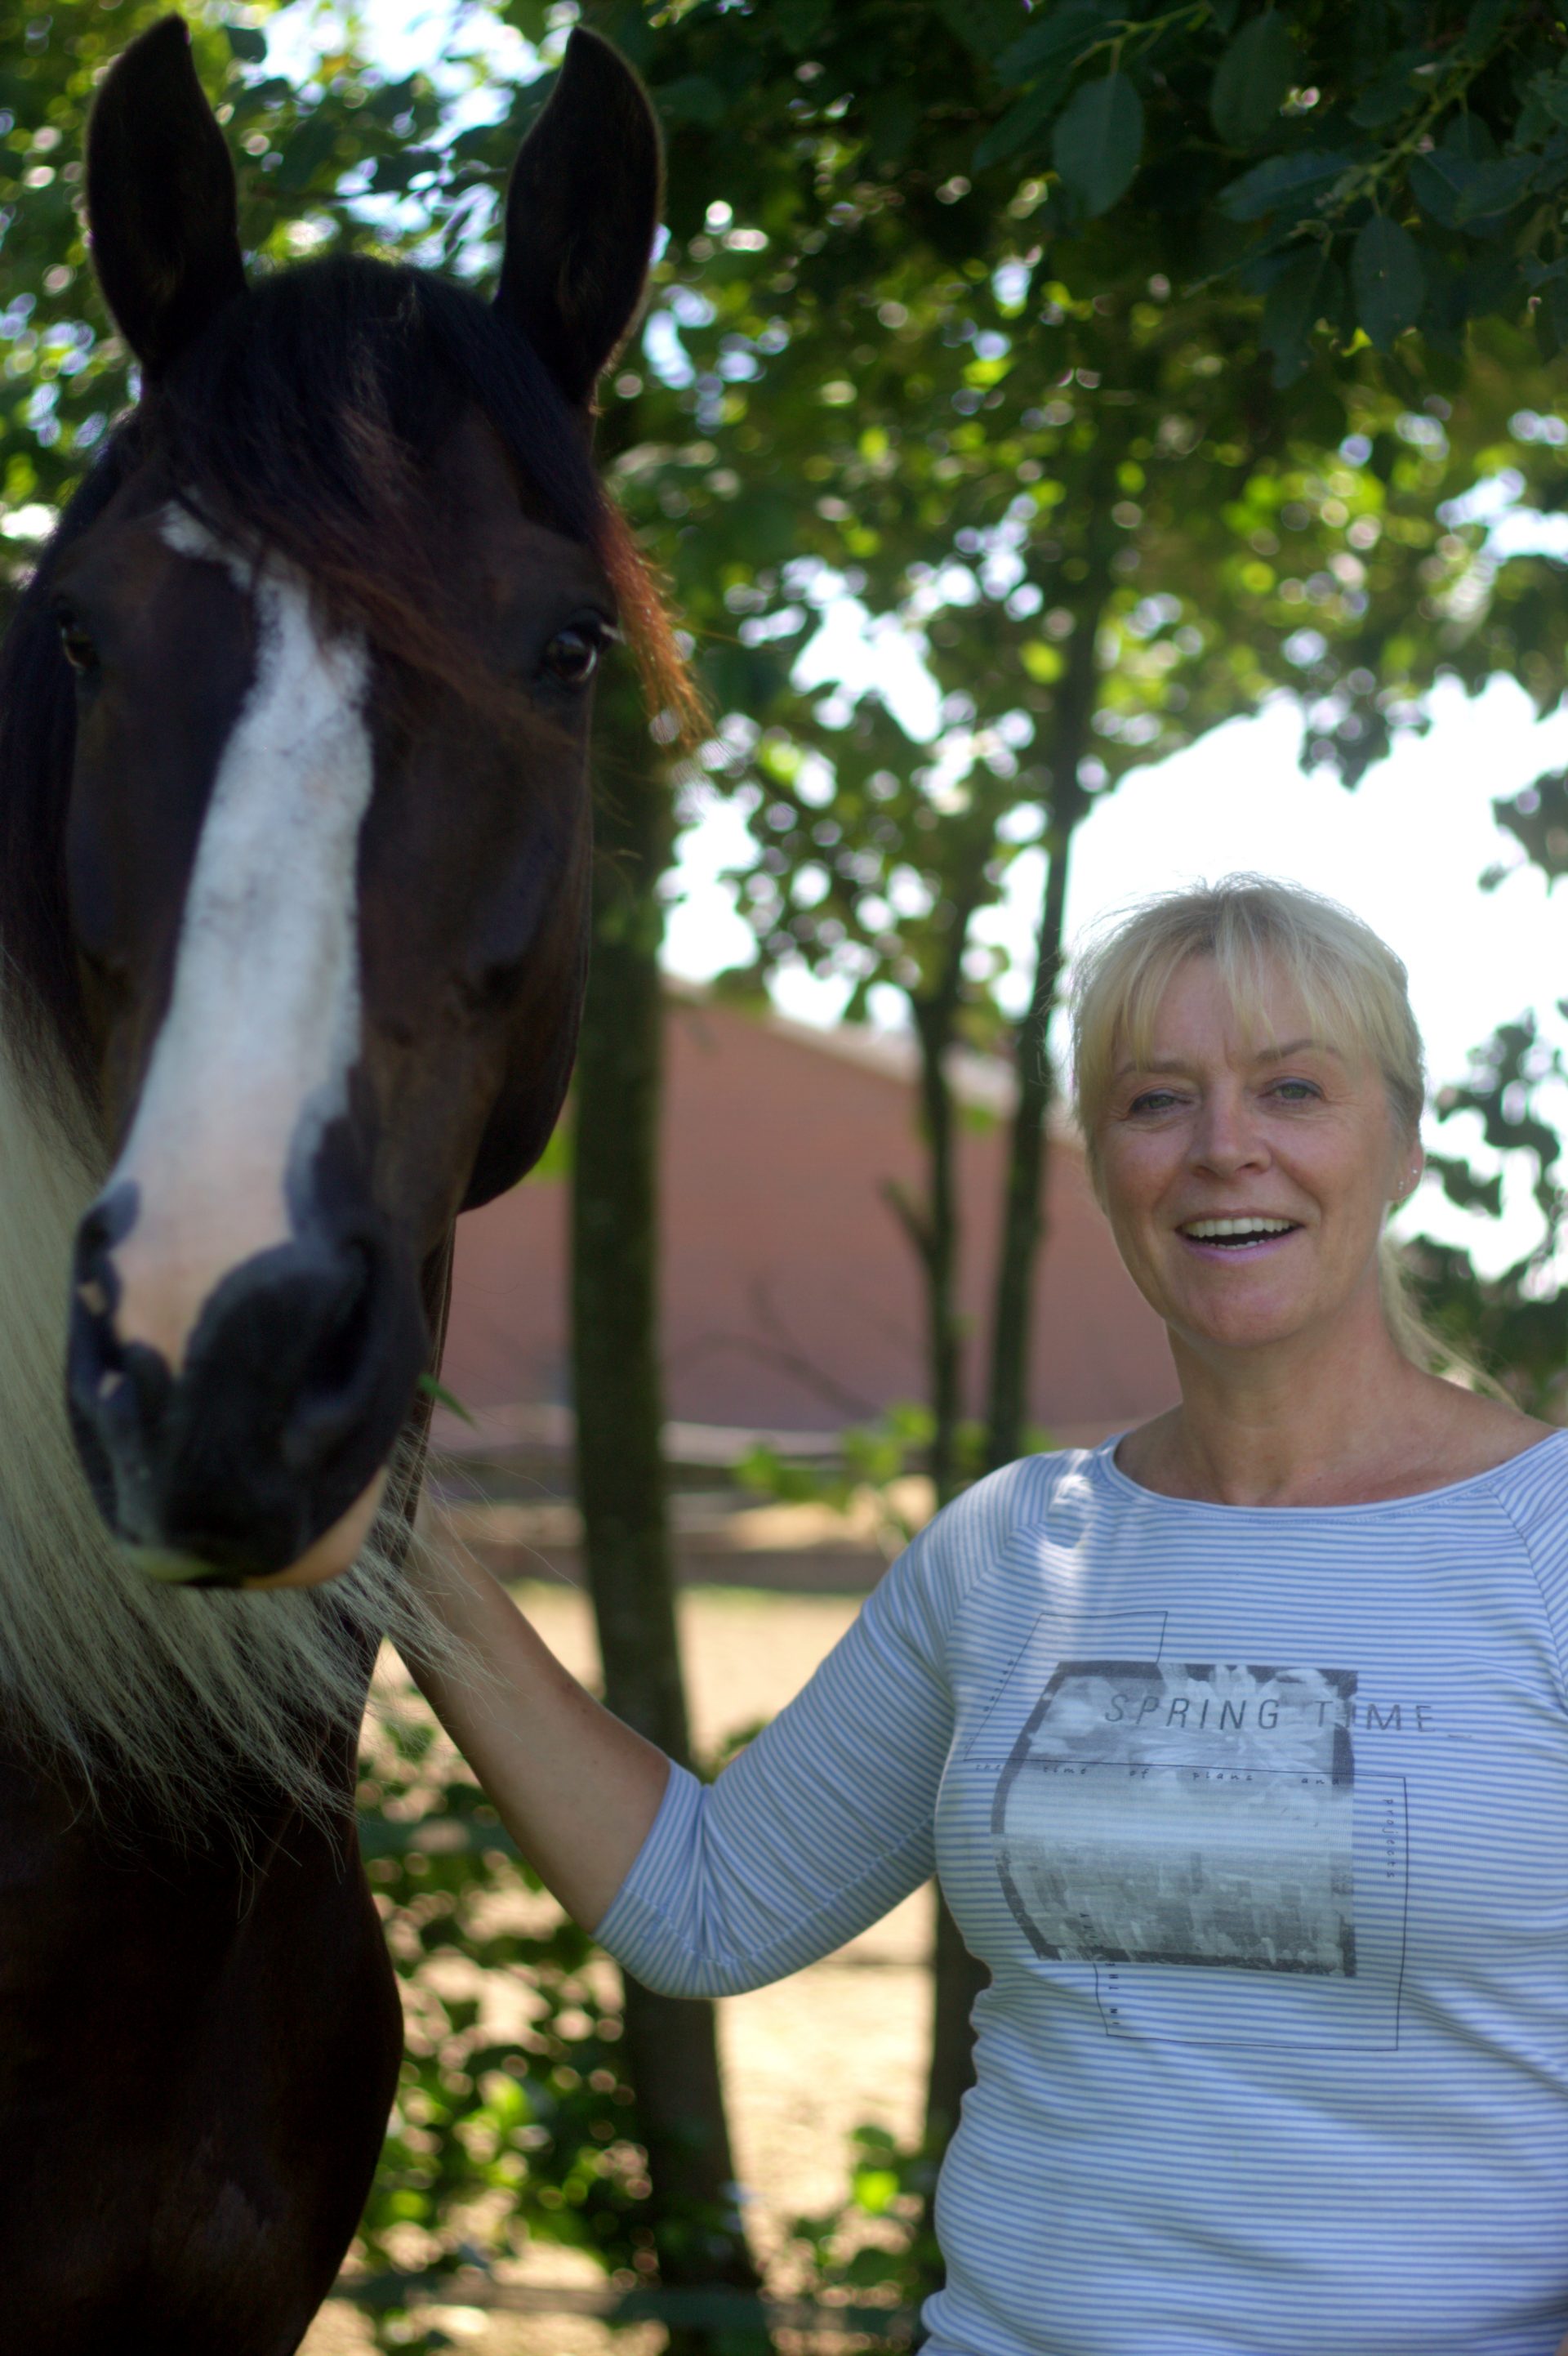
(1187, 1813)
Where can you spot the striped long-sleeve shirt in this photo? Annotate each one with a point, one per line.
(1260, 1820)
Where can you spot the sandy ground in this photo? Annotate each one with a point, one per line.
(836, 2047)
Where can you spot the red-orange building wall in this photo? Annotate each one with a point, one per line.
(791, 1300)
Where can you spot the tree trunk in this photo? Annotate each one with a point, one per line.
(933, 1226)
(933, 1229)
(1023, 1198)
(670, 2043)
(959, 1978)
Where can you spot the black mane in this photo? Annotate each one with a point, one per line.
(298, 422)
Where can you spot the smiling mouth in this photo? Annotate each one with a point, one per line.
(1237, 1235)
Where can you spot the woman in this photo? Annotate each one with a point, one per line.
(1240, 1743)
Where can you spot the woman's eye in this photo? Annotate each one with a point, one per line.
(572, 658)
(1153, 1100)
(1295, 1091)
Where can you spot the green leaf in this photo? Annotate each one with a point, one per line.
(982, 26)
(1291, 311)
(1485, 21)
(246, 44)
(1278, 180)
(1098, 141)
(1436, 182)
(1387, 280)
(448, 1399)
(1550, 92)
(1494, 190)
(1018, 125)
(1056, 36)
(1464, 133)
(1252, 79)
(1459, 192)
(1389, 93)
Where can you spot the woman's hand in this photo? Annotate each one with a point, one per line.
(577, 1790)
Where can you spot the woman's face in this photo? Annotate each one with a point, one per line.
(1246, 1182)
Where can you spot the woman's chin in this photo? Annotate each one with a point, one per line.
(1243, 1326)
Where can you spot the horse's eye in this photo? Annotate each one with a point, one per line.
(75, 644)
(572, 655)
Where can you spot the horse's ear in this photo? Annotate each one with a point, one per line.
(581, 212)
(160, 198)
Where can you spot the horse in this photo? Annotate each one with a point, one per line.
(295, 841)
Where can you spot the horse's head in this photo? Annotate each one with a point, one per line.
(333, 603)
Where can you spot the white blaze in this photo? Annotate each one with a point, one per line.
(263, 1023)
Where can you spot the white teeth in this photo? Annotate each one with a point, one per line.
(1204, 1231)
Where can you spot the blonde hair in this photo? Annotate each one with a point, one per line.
(1354, 989)
(164, 1703)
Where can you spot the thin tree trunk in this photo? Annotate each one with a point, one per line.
(935, 1024)
(958, 1977)
(1023, 1197)
(669, 2043)
(933, 1225)
(933, 1229)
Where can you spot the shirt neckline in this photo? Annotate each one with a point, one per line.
(1103, 1459)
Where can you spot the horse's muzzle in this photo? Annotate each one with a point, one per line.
(276, 1426)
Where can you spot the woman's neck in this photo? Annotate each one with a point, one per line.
(1304, 1425)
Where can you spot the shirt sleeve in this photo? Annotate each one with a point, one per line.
(826, 1820)
(1533, 1491)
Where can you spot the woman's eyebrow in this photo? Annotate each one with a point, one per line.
(1265, 1056)
(1296, 1048)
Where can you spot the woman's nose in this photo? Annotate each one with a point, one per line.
(1225, 1139)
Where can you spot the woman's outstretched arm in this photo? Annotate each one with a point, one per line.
(821, 1824)
(577, 1790)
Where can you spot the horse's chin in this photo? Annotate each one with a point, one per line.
(336, 1549)
(333, 1553)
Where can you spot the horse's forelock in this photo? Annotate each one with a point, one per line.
(304, 418)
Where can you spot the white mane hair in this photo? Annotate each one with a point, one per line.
(165, 1703)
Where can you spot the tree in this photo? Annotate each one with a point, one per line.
(671, 2045)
